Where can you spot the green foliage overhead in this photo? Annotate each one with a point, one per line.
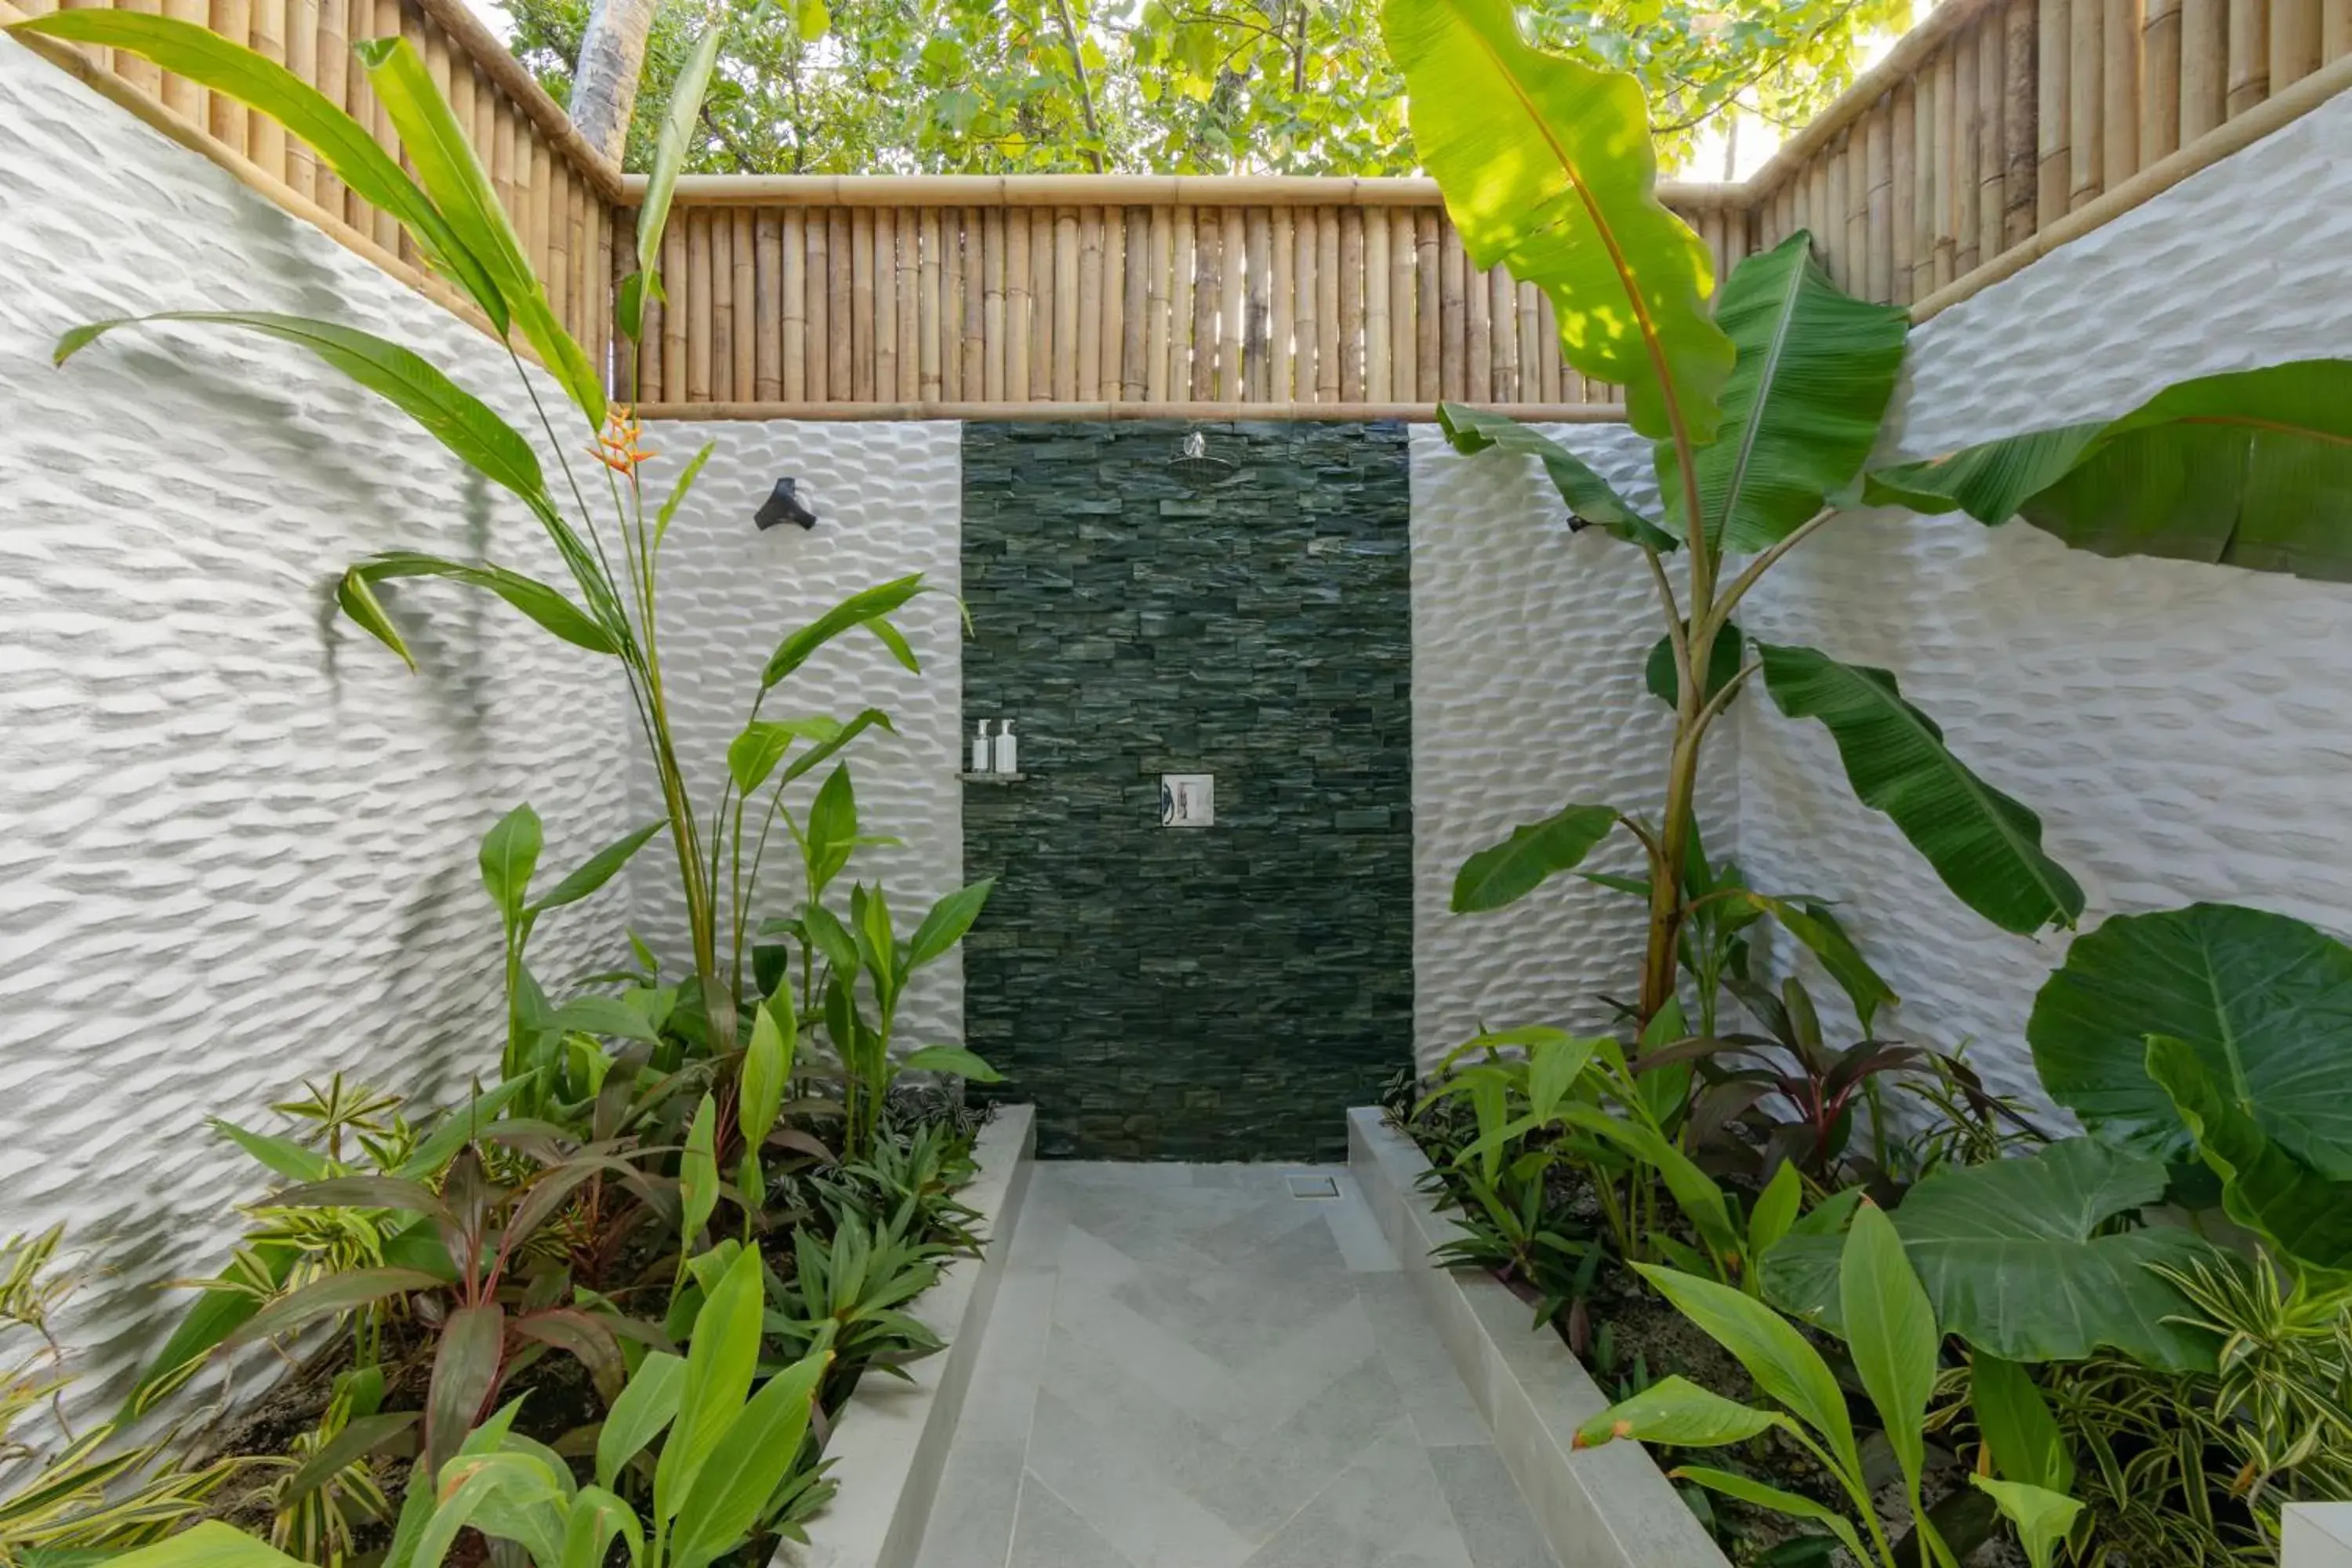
(1175, 85)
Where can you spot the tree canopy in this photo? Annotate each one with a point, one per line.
(1299, 86)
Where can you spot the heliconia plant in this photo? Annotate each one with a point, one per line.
(609, 550)
(1765, 402)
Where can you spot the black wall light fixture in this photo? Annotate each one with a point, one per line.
(784, 506)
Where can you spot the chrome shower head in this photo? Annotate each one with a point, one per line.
(1193, 463)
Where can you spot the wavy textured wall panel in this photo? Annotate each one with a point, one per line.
(2183, 731)
(240, 836)
(890, 499)
(1528, 643)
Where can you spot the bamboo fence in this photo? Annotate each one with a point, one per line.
(1994, 132)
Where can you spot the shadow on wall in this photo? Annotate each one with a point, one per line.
(1214, 993)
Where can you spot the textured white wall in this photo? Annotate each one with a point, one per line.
(240, 836)
(2182, 729)
(889, 498)
(1528, 644)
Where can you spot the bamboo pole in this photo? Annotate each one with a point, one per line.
(1428, 324)
(1377, 384)
(932, 344)
(1453, 346)
(265, 137)
(1108, 412)
(1878, 202)
(2204, 67)
(1307, 336)
(975, 304)
(1069, 328)
(1183, 235)
(2085, 59)
(1232, 305)
(1282, 308)
(1257, 318)
(331, 75)
(1326, 305)
(1479, 333)
(863, 318)
(1547, 344)
(694, 310)
(1531, 343)
(750, 319)
(580, 310)
(1114, 304)
(1990, 92)
(2119, 89)
(180, 95)
(1018, 334)
(1402, 370)
(1045, 316)
(1503, 329)
(1087, 325)
(2250, 81)
(1966, 249)
(1208, 278)
(555, 257)
(1160, 276)
(302, 54)
(2296, 28)
(882, 308)
(1351, 316)
(2053, 116)
(907, 304)
(628, 361)
(996, 317)
(1131, 190)
(233, 20)
(2335, 29)
(1942, 84)
(2020, 79)
(724, 388)
(841, 306)
(1903, 221)
(2160, 99)
(1134, 354)
(1843, 222)
(792, 348)
(816, 287)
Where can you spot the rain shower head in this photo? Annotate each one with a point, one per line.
(1193, 463)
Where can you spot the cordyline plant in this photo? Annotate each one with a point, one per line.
(1765, 409)
(609, 545)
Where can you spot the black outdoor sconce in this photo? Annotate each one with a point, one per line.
(784, 506)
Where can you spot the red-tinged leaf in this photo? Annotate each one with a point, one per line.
(466, 1368)
(330, 1297)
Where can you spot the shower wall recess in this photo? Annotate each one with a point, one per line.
(1214, 992)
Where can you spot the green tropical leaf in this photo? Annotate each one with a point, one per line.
(748, 1462)
(283, 1155)
(1506, 872)
(1664, 681)
(644, 1410)
(192, 50)
(548, 606)
(597, 869)
(832, 745)
(2017, 1259)
(752, 756)
(2249, 469)
(2041, 1517)
(1890, 1330)
(1986, 846)
(1677, 1410)
(947, 922)
(678, 493)
(1756, 1494)
(767, 1066)
(2017, 1424)
(510, 854)
(670, 149)
(1786, 1368)
(953, 1059)
(328, 1298)
(720, 1359)
(1547, 169)
(452, 174)
(698, 1171)
(2303, 1215)
(607, 1016)
(2264, 1000)
(453, 416)
(1812, 923)
(1591, 500)
(208, 1543)
(871, 604)
(1802, 408)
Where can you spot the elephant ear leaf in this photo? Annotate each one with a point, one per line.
(2269, 1191)
(1506, 872)
(1800, 413)
(2263, 1001)
(1592, 502)
(1986, 846)
(1547, 169)
(2249, 469)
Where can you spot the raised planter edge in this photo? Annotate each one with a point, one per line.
(1609, 1507)
(889, 1442)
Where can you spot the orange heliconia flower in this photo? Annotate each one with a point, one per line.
(618, 445)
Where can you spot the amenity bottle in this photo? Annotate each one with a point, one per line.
(979, 748)
(1008, 749)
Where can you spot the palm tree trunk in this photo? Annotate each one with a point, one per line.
(605, 81)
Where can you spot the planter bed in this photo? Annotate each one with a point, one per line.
(1604, 1508)
(889, 1442)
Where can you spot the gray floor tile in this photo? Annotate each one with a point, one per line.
(1189, 1367)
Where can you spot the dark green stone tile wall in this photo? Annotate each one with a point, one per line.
(1212, 994)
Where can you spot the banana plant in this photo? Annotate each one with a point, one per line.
(1894, 1345)
(1764, 410)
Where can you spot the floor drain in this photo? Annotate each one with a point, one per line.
(1314, 1187)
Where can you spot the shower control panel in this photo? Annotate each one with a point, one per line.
(1187, 800)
